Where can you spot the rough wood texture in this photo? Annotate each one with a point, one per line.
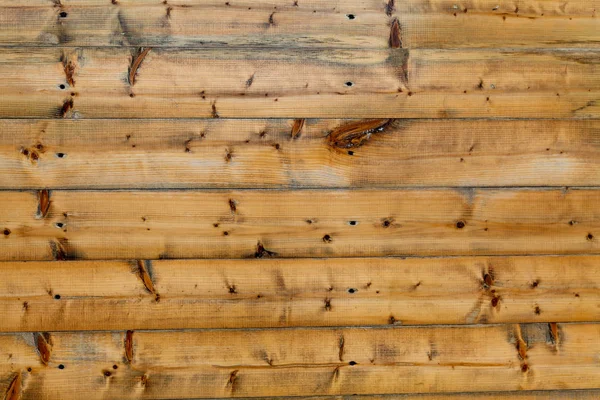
(38, 296)
(312, 23)
(305, 361)
(178, 83)
(271, 154)
(306, 223)
(201, 198)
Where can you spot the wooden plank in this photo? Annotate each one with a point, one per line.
(112, 154)
(58, 296)
(312, 23)
(176, 83)
(305, 223)
(302, 361)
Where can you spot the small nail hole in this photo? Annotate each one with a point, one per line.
(350, 153)
(57, 297)
(590, 236)
(59, 224)
(349, 84)
(353, 223)
(63, 14)
(460, 224)
(352, 363)
(115, 366)
(61, 366)
(350, 16)
(62, 87)
(61, 155)
(352, 290)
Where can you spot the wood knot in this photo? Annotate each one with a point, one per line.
(356, 134)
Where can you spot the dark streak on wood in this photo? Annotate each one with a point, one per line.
(129, 346)
(521, 345)
(249, 81)
(232, 380)
(58, 251)
(43, 346)
(69, 68)
(66, 107)
(43, 203)
(262, 252)
(297, 128)
(136, 61)
(14, 389)
(553, 328)
(144, 274)
(390, 7)
(341, 347)
(232, 206)
(395, 41)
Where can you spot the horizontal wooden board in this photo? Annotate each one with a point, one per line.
(305, 223)
(113, 154)
(53, 296)
(177, 83)
(303, 23)
(143, 364)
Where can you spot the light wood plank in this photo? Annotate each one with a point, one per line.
(113, 154)
(177, 83)
(304, 362)
(306, 223)
(83, 295)
(305, 23)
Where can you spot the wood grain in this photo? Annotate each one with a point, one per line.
(58, 296)
(301, 24)
(113, 154)
(304, 362)
(179, 83)
(305, 223)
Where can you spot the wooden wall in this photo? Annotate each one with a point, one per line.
(272, 198)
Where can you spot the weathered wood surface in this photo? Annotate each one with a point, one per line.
(119, 295)
(301, 361)
(305, 223)
(179, 83)
(312, 23)
(114, 154)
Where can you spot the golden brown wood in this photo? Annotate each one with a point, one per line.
(179, 83)
(304, 362)
(304, 23)
(313, 223)
(268, 154)
(41, 296)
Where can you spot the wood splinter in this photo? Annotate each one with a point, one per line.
(136, 61)
(297, 128)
